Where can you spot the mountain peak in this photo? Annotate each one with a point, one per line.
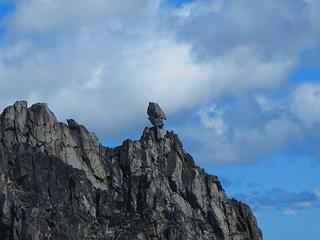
(58, 182)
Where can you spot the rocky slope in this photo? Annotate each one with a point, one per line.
(58, 182)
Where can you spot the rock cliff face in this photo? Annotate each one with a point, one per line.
(58, 182)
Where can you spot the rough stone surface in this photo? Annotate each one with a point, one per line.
(58, 182)
(156, 115)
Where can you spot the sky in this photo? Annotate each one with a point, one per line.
(238, 80)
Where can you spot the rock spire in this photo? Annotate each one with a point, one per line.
(58, 182)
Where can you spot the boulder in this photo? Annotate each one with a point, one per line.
(156, 115)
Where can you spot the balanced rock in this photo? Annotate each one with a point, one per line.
(156, 115)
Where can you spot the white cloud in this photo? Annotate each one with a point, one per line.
(306, 105)
(196, 9)
(241, 133)
(303, 205)
(247, 132)
(44, 16)
(97, 57)
(290, 213)
(272, 136)
(264, 103)
(102, 61)
(212, 117)
(290, 203)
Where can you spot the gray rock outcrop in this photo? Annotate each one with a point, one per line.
(156, 115)
(58, 182)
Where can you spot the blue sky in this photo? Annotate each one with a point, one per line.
(239, 81)
(5, 9)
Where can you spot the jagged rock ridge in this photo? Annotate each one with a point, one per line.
(58, 182)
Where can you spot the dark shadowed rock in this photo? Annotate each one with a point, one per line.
(58, 182)
(156, 115)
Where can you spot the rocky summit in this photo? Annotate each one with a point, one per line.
(58, 182)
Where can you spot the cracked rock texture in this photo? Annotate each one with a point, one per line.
(58, 182)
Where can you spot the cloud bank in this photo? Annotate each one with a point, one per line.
(102, 61)
(289, 203)
(256, 126)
